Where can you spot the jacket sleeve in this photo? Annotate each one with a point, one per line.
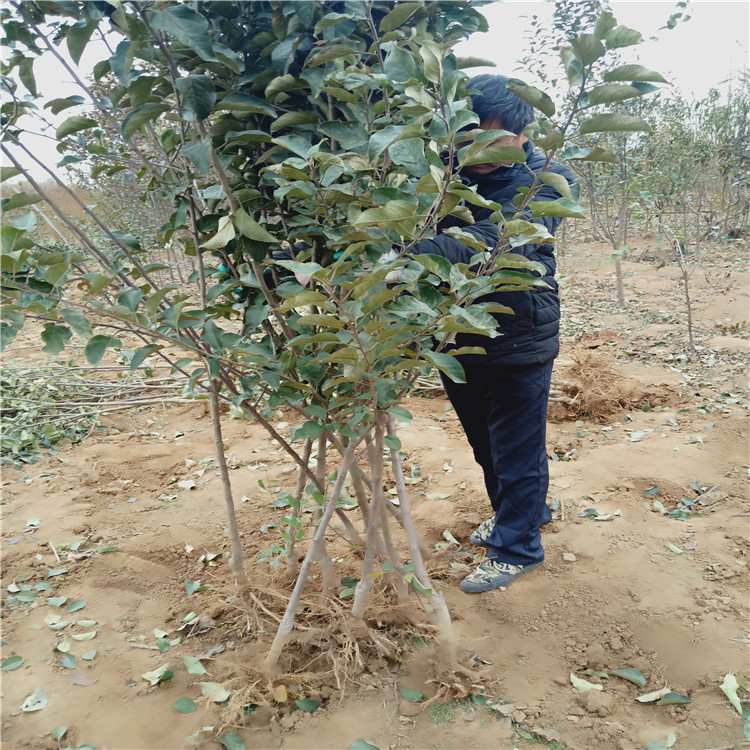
(456, 252)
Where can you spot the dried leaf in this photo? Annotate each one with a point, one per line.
(729, 688)
(583, 685)
(652, 697)
(36, 701)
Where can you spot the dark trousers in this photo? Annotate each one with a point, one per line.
(503, 410)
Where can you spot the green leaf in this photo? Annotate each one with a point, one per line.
(432, 57)
(77, 320)
(250, 228)
(246, 103)
(613, 122)
(474, 62)
(89, 655)
(140, 116)
(57, 601)
(622, 36)
(26, 74)
(327, 54)
(185, 705)
(54, 338)
(308, 705)
(604, 24)
(294, 143)
(68, 661)
(217, 693)
(120, 62)
(532, 95)
(654, 490)
(58, 733)
(673, 699)
(74, 125)
(193, 665)
(78, 37)
(401, 13)
(76, 605)
(392, 442)
(393, 211)
(561, 207)
(187, 26)
(232, 742)
(633, 73)
(613, 92)
(291, 119)
(558, 182)
(350, 135)
(224, 235)
(98, 345)
(19, 200)
(412, 696)
(11, 663)
(198, 96)
(588, 48)
(160, 674)
(199, 152)
(630, 674)
(399, 65)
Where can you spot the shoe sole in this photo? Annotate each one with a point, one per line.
(478, 588)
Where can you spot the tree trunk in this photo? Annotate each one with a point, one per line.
(287, 621)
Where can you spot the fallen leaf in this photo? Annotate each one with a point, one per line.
(651, 697)
(155, 676)
(729, 688)
(36, 701)
(79, 678)
(11, 663)
(632, 675)
(673, 699)
(583, 685)
(217, 693)
(185, 705)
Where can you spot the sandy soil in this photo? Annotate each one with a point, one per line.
(642, 590)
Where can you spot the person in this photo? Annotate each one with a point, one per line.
(502, 405)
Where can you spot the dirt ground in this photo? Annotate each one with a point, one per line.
(624, 585)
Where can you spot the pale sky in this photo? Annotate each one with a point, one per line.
(696, 56)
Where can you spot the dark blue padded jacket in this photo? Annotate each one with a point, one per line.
(531, 335)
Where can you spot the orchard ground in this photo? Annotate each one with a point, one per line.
(651, 435)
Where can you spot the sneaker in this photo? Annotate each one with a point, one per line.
(481, 535)
(492, 574)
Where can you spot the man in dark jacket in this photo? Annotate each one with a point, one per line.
(503, 404)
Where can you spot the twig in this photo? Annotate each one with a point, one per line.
(143, 645)
(54, 551)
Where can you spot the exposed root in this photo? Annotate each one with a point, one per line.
(589, 386)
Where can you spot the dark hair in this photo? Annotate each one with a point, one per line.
(495, 101)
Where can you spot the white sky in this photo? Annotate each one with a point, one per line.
(695, 56)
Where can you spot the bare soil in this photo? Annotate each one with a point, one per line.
(642, 590)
